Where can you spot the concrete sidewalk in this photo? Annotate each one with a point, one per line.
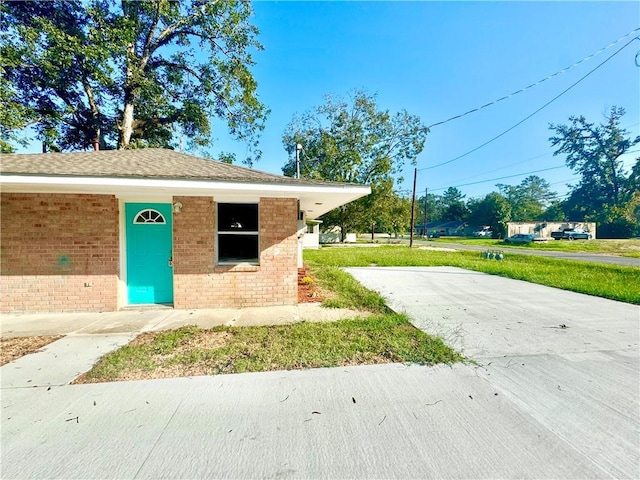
(384, 421)
(89, 336)
(133, 320)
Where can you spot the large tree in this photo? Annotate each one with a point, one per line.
(529, 200)
(129, 73)
(594, 152)
(454, 207)
(353, 140)
(493, 210)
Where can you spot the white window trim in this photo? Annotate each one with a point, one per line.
(160, 215)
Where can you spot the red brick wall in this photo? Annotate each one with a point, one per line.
(54, 244)
(199, 283)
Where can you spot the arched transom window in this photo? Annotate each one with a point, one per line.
(149, 215)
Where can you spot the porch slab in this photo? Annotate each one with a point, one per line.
(124, 321)
(144, 320)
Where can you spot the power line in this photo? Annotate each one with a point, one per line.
(532, 114)
(528, 160)
(498, 178)
(507, 166)
(563, 181)
(517, 175)
(539, 81)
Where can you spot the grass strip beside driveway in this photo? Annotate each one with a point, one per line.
(608, 281)
(192, 351)
(383, 337)
(624, 248)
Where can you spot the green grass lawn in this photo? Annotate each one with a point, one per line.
(626, 248)
(193, 351)
(608, 281)
(383, 337)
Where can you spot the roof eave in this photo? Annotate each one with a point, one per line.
(315, 199)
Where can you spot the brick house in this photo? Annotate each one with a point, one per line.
(98, 231)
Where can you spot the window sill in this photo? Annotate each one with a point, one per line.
(236, 267)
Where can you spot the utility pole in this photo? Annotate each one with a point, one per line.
(424, 230)
(413, 205)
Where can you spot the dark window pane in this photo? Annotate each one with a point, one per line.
(237, 248)
(237, 217)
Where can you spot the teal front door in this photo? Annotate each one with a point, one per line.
(149, 246)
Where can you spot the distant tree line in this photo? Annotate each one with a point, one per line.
(606, 192)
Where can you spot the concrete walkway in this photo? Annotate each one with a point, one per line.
(89, 336)
(134, 320)
(559, 408)
(406, 422)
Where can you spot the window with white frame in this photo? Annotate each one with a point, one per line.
(149, 215)
(238, 235)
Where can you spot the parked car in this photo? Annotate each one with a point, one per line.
(571, 234)
(483, 232)
(524, 238)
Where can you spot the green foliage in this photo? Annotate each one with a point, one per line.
(594, 152)
(608, 281)
(529, 200)
(383, 211)
(13, 115)
(354, 141)
(493, 210)
(624, 220)
(347, 292)
(225, 157)
(435, 209)
(374, 340)
(554, 212)
(453, 205)
(131, 74)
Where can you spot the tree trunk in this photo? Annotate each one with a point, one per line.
(95, 135)
(126, 127)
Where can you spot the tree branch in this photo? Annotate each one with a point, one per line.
(146, 52)
(172, 30)
(161, 62)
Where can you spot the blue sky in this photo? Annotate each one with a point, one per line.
(440, 59)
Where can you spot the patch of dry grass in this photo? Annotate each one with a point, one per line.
(14, 348)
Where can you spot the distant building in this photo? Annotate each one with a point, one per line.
(544, 229)
(441, 228)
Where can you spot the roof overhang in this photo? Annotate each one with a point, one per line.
(315, 200)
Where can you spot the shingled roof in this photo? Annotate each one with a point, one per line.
(139, 163)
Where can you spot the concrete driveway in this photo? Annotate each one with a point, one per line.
(540, 403)
(566, 360)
